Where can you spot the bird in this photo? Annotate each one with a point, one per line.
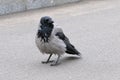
(50, 40)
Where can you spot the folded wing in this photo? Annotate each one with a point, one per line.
(70, 49)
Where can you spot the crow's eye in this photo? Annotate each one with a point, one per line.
(47, 20)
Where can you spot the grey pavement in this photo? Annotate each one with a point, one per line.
(92, 26)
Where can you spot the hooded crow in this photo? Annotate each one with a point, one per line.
(51, 40)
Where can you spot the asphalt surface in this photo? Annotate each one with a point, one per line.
(92, 26)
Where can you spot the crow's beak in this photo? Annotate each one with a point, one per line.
(51, 21)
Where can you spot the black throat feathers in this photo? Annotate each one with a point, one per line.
(45, 32)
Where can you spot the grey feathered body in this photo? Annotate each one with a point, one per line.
(54, 44)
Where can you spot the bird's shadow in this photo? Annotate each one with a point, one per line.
(70, 59)
(66, 60)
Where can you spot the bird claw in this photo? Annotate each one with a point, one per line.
(45, 62)
(54, 64)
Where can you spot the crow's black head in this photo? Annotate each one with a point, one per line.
(46, 28)
(46, 20)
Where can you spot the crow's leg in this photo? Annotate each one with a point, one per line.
(48, 60)
(57, 61)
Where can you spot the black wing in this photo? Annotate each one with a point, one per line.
(70, 48)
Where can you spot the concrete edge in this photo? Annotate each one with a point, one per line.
(13, 6)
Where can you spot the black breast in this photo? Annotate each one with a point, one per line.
(44, 33)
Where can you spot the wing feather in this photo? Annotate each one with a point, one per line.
(70, 48)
